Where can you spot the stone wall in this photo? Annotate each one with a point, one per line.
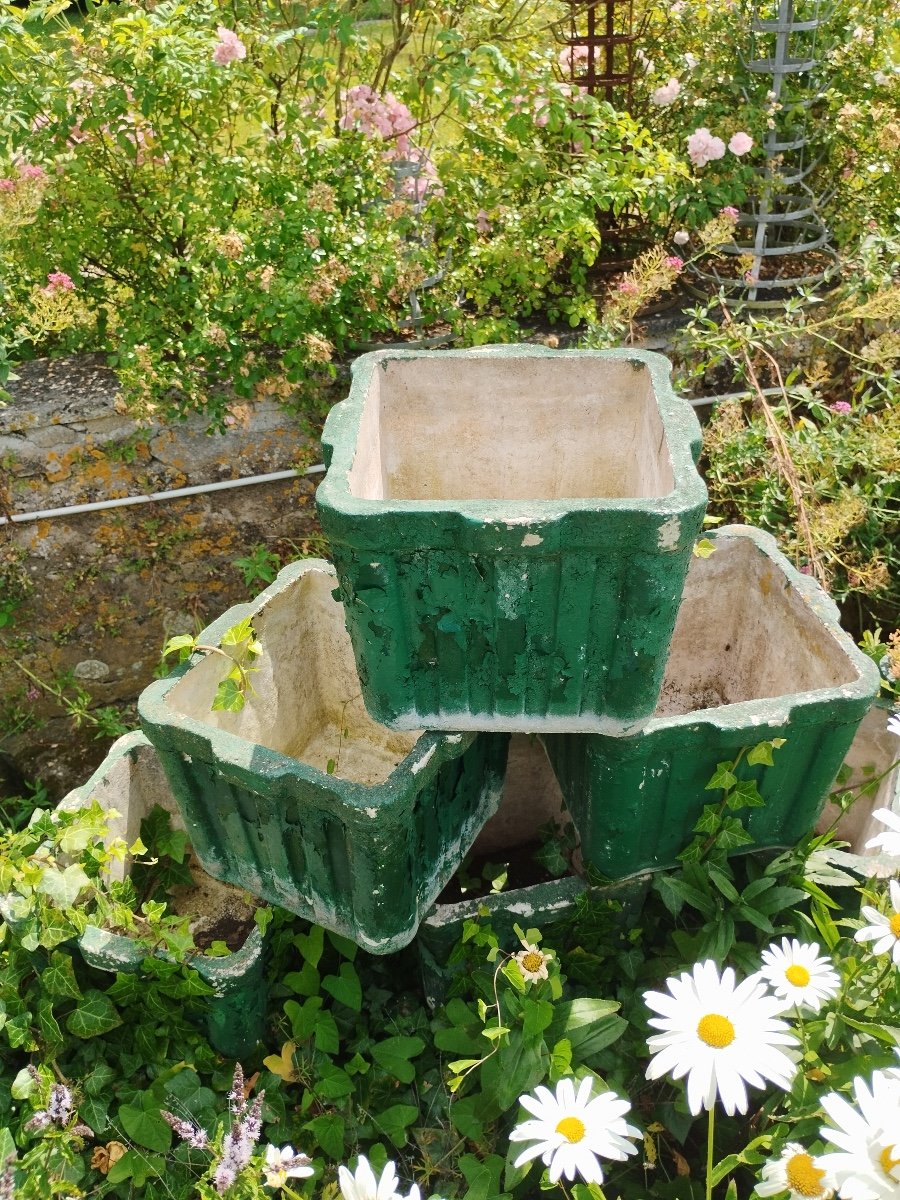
(100, 592)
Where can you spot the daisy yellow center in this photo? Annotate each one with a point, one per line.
(894, 924)
(532, 961)
(798, 976)
(803, 1176)
(715, 1030)
(887, 1160)
(572, 1129)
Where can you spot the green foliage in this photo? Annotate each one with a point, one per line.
(239, 647)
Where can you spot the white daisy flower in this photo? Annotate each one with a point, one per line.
(570, 1130)
(889, 841)
(532, 962)
(893, 725)
(883, 928)
(722, 1035)
(796, 972)
(866, 1165)
(283, 1164)
(796, 1173)
(362, 1184)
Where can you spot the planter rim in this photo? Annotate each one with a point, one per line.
(229, 750)
(679, 422)
(770, 711)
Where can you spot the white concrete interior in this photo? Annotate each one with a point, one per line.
(439, 429)
(743, 633)
(306, 700)
(874, 749)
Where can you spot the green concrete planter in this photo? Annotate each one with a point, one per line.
(363, 850)
(757, 653)
(131, 782)
(511, 528)
(870, 756)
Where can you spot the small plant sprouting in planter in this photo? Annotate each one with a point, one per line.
(240, 646)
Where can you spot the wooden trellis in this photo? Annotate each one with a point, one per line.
(600, 41)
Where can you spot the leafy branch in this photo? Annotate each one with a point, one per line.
(240, 647)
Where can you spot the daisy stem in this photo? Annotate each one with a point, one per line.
(709, 1151)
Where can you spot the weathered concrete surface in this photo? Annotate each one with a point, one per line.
(511, 528)
(364, 849)
(99, 593)
(757, 654)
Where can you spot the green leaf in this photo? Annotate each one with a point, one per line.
(94, 1111)
(64, 886)
(723, 779)
(345, 987)
(703, 548)
(148, 1129)
(394, 1053)
(328, 1131)
(94, 1015)
(483, 1175)
(23, 1085)
(311, 944)
(137, 1167)
(333, 1083)
(48, 1026)
(890, 1034)
(394, 1122)
(304, 982)
(59, 977)
(181, 641)
(228, 697)
(745, 794)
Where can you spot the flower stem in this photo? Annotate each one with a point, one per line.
(709, 1151)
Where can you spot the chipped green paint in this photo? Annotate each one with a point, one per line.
(538, 595)
(363, 859)
(757, 654)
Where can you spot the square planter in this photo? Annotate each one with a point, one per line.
(757, 653)
(362, 849)
(511, 528)
(871, 755)
(531, 800)
(131, 782)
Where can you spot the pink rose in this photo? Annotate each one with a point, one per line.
(740, 144)
(666, 94)
(228, 48)
(703, 147)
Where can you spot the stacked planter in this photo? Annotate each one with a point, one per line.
(512, 531)
(303, 799)
(128, 785)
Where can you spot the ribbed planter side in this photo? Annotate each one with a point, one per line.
(757, 653)
(364, 850)
(130, 782)
(511, 528)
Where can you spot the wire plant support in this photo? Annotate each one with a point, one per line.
(782, 225)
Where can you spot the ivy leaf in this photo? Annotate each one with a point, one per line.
(63, 886)
(394, 1053)
(723, 779)
(95, 1014)
(228, 697)
(59, 977)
